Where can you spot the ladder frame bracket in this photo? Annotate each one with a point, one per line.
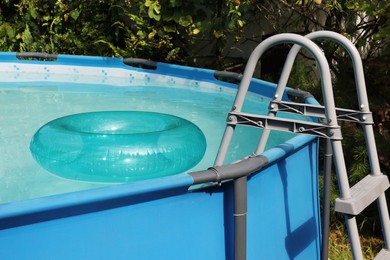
(284, 124)
(319, 111)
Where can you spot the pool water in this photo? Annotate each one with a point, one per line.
(26, 107)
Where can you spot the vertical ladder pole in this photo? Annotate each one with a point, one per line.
(240, 184)
(336, 144)
(363, 106)
(224, 146)
(240, 219)
(370, 143)
(237, 105)
(331, 117)
(339, 161)
(287, 68)
(367, 128)
(341, 171)
(326, 199)
(282, 83)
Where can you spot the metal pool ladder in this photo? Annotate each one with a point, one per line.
(352, 200)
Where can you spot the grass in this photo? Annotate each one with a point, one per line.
(339, 248)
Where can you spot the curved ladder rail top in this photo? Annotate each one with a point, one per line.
(359, 80)
(248, 74)
(348, 46)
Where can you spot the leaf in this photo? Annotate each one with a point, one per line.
(33, 12)
(74, 14)
(231, 25)
(149, 3)
(141, 34)
(153, 12)
(152, 34)
(46, 18)
(169, 28)
(26, 36)
(9, 30)
(195, 31)
(135, 19)
(218, 34)
(154, 9)
(173, 54)
(185, 20)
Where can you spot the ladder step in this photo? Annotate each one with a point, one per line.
(363, 194)
(384, 254)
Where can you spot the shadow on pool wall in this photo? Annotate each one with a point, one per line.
(166, 218)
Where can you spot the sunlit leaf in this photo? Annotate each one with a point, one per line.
(195, 31)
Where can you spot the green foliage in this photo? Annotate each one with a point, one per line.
(339, 247)
(300, 78)
(61, 26)
(163, 30)
(171, 30)
(357, 158)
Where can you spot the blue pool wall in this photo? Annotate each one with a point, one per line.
(163, 218)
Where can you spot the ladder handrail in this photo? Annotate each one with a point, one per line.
(248, 74)
(362, 196)
(363, 106)
(348, 46)
(359, 80)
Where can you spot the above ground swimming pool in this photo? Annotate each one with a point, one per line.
(46, 213)
(33, 93)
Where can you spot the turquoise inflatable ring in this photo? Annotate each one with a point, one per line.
(118, 146)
